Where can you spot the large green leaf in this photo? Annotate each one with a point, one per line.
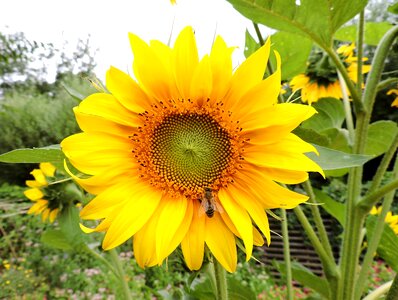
(373, 32)
(294, 51)
(388, 246)
(55, 238)
(380, 136)
(330, 115)
(316, 19)
(329, 159)
(304, 276)
(251, 45)
(393, 8)
(52, 154)
(334, 208)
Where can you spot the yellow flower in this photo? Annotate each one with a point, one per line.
(35, 193)
(390, 219)
(189, 153)
(320, 79)
(394, 92)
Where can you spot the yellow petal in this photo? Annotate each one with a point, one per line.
(144, 244)
(39, 177)
(48, 169)
(45, 214)
(91, 123)
(193, 243)
(221, 68)
(33, 183)
(106, 106)
(153, 76)
(185, 57)
(132, 216)
(240, 218)
(249, 74)
(201, 84)
(257, 238)
(126, 90)
(53, 215)
(170, 220)
(33, 194)
(262, 95)
(180, 232)
(221, 242)
(253, 207)
(38, 207)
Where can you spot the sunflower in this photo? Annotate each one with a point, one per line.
(394, 92)
(188, 152)
(390, 219)
(35, 193)
(320, 80)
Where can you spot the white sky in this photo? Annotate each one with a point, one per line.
(108, 23)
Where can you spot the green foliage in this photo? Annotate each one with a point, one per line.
(315, 19)
(388, 246)
(304, 276)
(330, 115)
(380, 136)
(373, 32)
(332, 207)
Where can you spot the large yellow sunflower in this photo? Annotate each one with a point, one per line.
(189, 152)
(394, 92)
(320, 79)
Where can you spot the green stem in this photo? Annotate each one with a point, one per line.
(386, 83)
(371, 199)
(374, 241)
(361, 29)
(351, 87)
(328, 264)
(221, 280)
(393, 292)
(355, 216)
(318, 219)
(347, 109)
(286, 255)
(114, 257)
(101, 259)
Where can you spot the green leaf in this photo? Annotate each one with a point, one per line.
(294, 51)
(312, 136)
(305, 277)
(69, 223)
(251, 45)
(202, 290)
(393, 8)
(315, 19)
(56, 239)
(334, 208)
(373, 33)
(329, 159)
(388, 246)
(338, 139)
(380, 136)
(238, 291)
(52, 154)
(330, 115)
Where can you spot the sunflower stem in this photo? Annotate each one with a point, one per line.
(101, 259)
(351, 87)
(355, 215)
(328, 264)
(318, 219)
(361, 29)
(286, 255)
(115, 260)
(221, 280)
(347, 109)
(374, 242)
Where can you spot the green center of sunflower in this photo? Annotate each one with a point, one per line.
(190, 150)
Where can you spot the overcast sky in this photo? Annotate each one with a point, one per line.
(108, 23)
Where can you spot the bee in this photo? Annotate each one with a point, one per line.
(208, 203)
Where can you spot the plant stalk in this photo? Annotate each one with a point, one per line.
(221, 280)
(347, 109)
(286, 255)
(386, 83)
(361, 30)
(114, 257)
(318, 219)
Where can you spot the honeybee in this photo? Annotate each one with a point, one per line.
(208, 203)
